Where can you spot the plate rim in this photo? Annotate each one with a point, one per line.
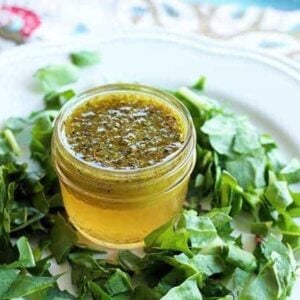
(283, 64)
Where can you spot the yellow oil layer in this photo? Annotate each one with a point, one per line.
(122, 227)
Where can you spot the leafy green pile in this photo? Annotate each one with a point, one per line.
(197, 255)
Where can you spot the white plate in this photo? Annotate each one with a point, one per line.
(266, 89)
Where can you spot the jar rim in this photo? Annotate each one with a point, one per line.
(122, 87)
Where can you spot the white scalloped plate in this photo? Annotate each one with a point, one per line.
(265, 88)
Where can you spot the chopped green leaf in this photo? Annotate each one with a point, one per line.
(15, 124)
(200, 83)
(9, 136)
(201, 229)
(118, 283)
(63, 238)
(261, 228)
(283, 263)
(236, 281)
(188, 290)
(278, 195)
(167, 237)
(206, 264)
(240, 258)
(85, 58)
(246, 139)
(129, 261)
(196, 255)
(221, 131)
(55, 100)
(98, 292)
(199, 102)
(14, 285)
(263, 286)
(248, 170)
(55, 76)
(144, 293)
(291, 172)
(26, 258)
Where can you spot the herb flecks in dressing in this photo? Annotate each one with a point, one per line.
(124, 131)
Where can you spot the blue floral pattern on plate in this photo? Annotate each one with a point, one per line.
(267, 29)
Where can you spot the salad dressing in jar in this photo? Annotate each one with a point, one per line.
(124, 154)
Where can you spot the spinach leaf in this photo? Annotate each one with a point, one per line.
(54, 76)
(55, 100)
(118, 283)
(14, 285)
(200, 83)
(62, 239)
(144, 293)
(188, 290)
(221, 131)
(278, 195)
(11, 140)
(236, 281)
(85, 58)
(206, 264)
(98, 292)
(240, 258)
(291, 172)
(26, 258)
(263, 286)
(246, 139)
(168, 237)
(201, 229)
(249, 170)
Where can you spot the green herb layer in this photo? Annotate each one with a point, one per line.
(197, 255)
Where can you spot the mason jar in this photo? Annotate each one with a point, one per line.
(118, 208)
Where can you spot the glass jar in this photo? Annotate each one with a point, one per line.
(119, 208)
